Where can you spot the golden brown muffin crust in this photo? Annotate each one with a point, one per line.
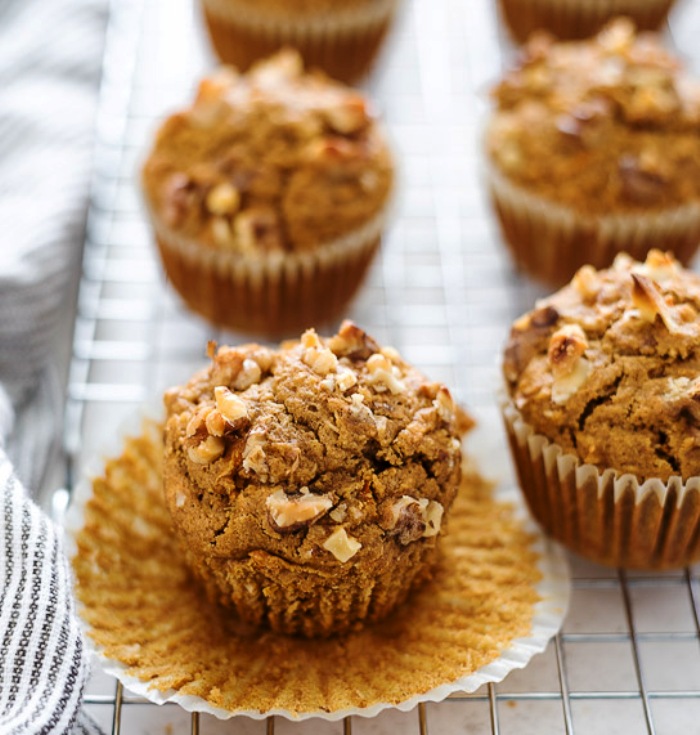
(272, 160)
(609, 367)
(607, 124)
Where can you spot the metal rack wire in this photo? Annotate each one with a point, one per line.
(443, 292)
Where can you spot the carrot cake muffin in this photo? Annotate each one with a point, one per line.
(309, 485)
(569, 19)
(268, 197)
(341, 37)
(594, 149)
(603, 412)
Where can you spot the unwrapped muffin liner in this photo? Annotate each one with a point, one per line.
(573, 19)
(343, 43)
(551, 242)
(275, 294)
(608, 517)
(457, 633)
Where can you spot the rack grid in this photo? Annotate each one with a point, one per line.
(443, 291)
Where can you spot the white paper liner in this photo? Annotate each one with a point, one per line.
(549, 612)
(570, 19)
(610, 518)
(551, 241)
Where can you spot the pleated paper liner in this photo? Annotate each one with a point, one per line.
(498, 595)
(274, 294)
(343, 42)
(609, 518)
(573, 19)
(551, 242)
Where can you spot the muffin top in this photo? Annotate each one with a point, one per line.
(610, 123)
(311, 451)
(274, 160)
(609, 367)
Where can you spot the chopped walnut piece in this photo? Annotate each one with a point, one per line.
(444, 404)
(411, 519)
(586, 282)
(216, 424)
(342, 546)
(198, 421)
(647, 298)
(565, 386)
(223, 199)
(319, 358)
(348, 117)
(566, 346)
(207, 451)
(383, 375)
(230, 406)
(291, 512)
(249, 374)
(658, 266)
(254, 459)
(352, 342)
(257, 228)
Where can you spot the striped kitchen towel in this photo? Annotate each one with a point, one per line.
(50, 61)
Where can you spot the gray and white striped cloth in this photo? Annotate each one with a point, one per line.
(50, 60)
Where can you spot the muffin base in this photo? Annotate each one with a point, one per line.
(499, 593)
(611, 519)
(551, 242)
(345, 47)
(574, 19)
(278, 295)
(266, 590)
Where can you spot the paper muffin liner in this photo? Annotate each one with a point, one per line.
(551, 242)
(272, 294)
(498, 595)
(573, 19)
(343, 43)
(608, 517)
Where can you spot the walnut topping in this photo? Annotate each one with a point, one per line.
(566, 347)
(207, 451)
(257, 228)
(565, 386)
(410, 519)
(254, 459)
(352, 342)
(249, 374)
(444, 404)
(383, 375)
(223, 199)
(319, 358)
(339, 514)
(348, 117)
(198, 420)
(658, 266)
(230, 406)
(289, 512)
(215, 423)
(586, 282)
(647, 298)
(342, 546)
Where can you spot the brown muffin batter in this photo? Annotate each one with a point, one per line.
(274, 160)
(608, 368)
(309, 483)
(610, 124)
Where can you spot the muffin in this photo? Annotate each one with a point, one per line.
(309, 485)
(268, 197)
(342, 38)
(571, 19)
(603, 412)
(594, 149)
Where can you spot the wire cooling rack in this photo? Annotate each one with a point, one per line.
(443, 292)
